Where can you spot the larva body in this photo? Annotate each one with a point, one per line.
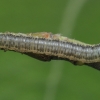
(52, 45)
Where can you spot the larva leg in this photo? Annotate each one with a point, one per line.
(39, 56)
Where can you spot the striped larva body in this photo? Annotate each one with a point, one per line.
(50, 45)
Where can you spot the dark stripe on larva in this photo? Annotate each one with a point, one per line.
(64, 49)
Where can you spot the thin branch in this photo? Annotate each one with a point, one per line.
(46, 47)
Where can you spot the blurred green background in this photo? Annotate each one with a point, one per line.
(25, 78)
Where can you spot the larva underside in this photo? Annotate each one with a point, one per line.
(46, 46)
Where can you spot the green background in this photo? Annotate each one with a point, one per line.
(25, 78)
